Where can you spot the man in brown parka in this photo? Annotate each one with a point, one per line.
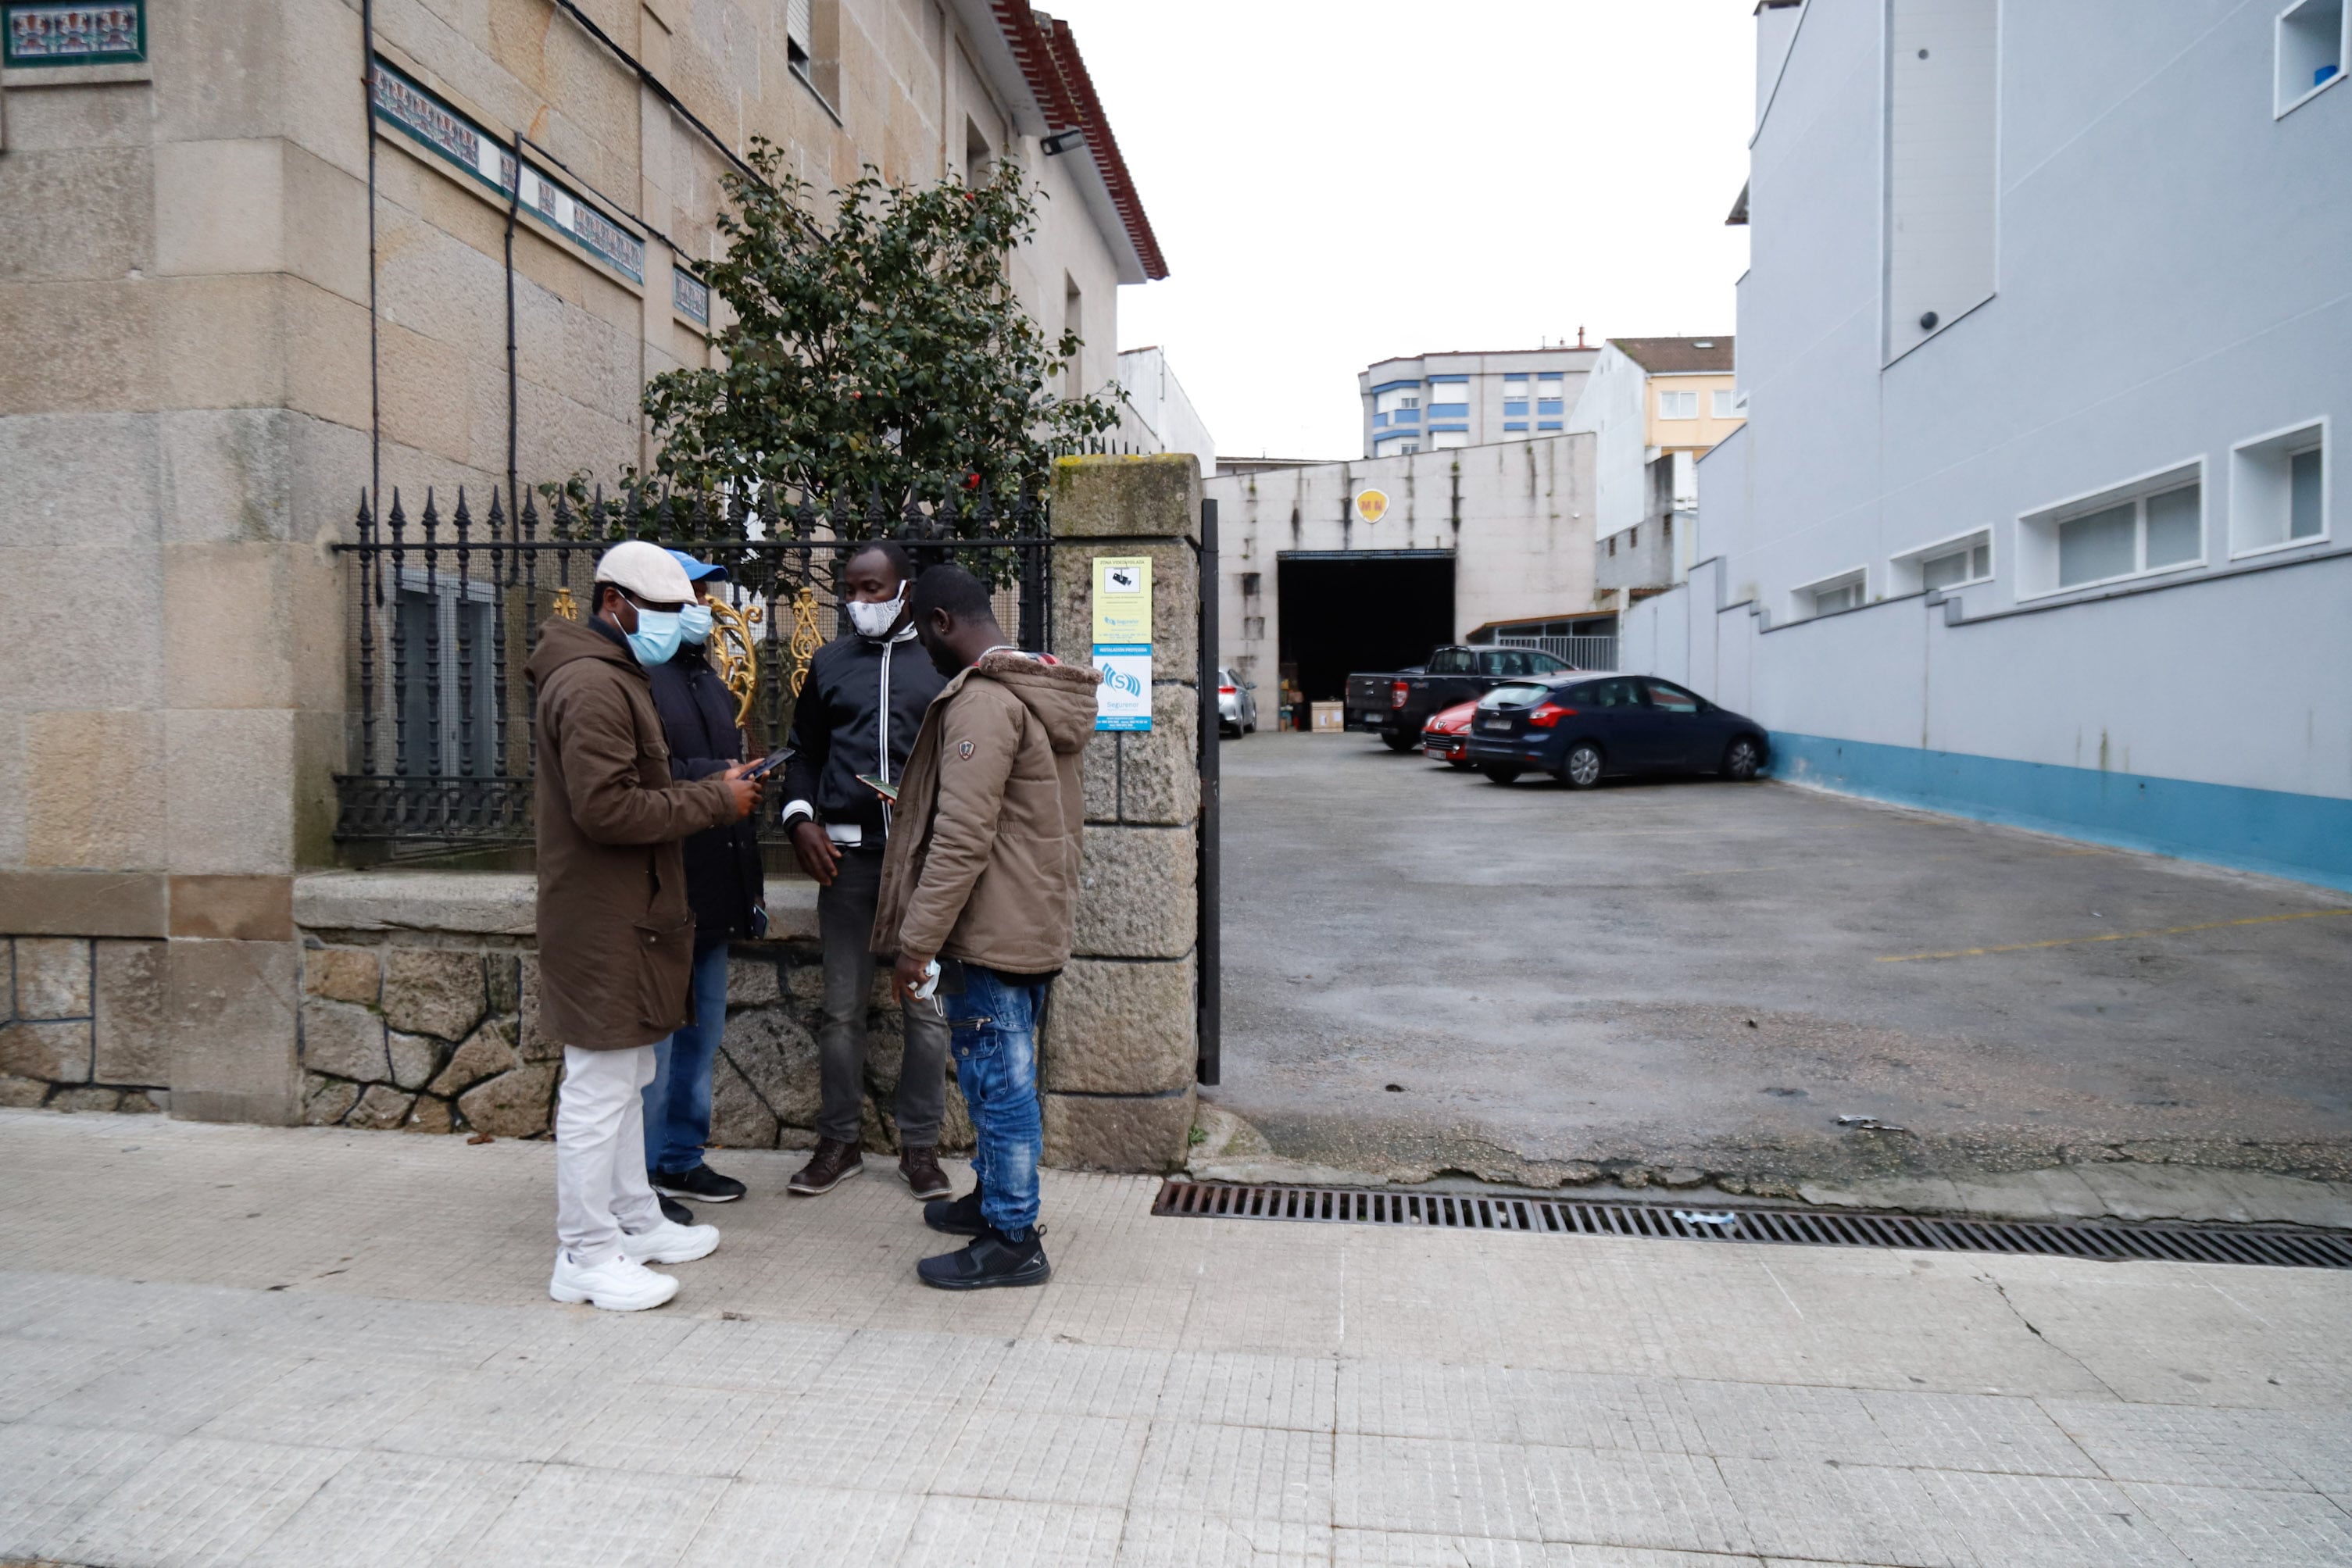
(982, 878)
(616, 934)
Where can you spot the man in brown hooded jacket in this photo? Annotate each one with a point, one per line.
(982, 878)
(615, 933)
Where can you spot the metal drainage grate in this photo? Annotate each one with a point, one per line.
(2278, 1246)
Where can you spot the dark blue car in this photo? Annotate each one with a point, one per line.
(1582, 728)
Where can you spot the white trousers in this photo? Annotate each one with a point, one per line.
(600, 1151)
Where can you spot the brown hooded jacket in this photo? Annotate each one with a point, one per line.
(984, 864)
(616, 935)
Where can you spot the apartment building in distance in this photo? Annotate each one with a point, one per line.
(1429, 403)
(1654, 407)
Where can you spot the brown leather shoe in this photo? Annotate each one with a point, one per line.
(920, 1169)
(835, 1162)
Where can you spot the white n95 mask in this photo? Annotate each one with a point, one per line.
(876, 619)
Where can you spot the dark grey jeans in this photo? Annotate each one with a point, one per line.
(845, 920)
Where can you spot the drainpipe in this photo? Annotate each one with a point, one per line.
(375, 388)
(514, 202)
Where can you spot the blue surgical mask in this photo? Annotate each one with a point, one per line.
(655, 642)
(694, 623)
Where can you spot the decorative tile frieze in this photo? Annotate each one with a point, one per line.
(416, 113)
(46, 33)
(690, 295)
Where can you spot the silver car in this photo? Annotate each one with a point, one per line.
(1236, 708)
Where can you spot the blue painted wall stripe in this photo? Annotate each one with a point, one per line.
(2305, 837)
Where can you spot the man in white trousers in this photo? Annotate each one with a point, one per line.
(615, 933)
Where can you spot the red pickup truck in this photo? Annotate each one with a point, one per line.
(1395, 705)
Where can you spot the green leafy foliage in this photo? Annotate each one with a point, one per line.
(879, 354)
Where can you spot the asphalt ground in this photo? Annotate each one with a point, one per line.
(1427, 973)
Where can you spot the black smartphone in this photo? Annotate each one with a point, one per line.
(770, 763)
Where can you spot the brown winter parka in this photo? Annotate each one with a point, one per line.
(616, 934)
(992, 811)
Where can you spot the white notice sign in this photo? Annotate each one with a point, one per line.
(1123, 701)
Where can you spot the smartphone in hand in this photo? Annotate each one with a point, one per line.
(882, 786)
(770, 763)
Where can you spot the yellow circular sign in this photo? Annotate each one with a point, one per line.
(1372, 504)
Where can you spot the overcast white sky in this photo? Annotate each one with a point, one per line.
(1338, 181)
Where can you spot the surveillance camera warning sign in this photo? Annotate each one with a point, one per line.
(1123, 642)
(1123, 599)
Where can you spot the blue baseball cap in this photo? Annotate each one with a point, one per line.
(696, 570)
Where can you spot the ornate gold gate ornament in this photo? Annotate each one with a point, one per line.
(804, 637)
(565, 605)
(737, 654)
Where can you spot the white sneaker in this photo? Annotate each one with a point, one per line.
(622, 1285)
(670, 1242)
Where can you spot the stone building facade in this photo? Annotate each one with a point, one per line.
(414, 994)
(277, 257)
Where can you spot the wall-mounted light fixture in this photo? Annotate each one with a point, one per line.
(1062, 141)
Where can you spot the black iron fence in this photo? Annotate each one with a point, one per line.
(447, 605)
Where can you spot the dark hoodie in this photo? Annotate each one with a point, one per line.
(723, 879)
(984, 864)
(616, 934)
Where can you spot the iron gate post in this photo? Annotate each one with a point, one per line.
(1211, 726)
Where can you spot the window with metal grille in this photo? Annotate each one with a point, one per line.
(448, 697)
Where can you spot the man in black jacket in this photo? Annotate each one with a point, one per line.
(728, 892)
(858, 712)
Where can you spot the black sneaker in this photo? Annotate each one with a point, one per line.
(702, 1184)
(676, 1212)
(956, 1216)
(990, 1262)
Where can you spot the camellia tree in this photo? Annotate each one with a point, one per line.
(880, 356)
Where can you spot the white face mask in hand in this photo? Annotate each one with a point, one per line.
(876, 619)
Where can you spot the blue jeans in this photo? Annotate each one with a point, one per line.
(993, 1039)
(677, 1101)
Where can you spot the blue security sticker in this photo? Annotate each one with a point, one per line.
(1123, 700)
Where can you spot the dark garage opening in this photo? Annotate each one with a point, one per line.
(1345, 610)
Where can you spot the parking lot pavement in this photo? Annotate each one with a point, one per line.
(321, 1348)
(1425, 971)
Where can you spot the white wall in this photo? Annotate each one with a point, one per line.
(2171, 272)
(2170, 284)
(1515, 513)
(1941, 137)
(1614, 410)
(2113, 685)
(1160, 417)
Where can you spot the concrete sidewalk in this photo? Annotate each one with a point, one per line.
(235, 1344)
